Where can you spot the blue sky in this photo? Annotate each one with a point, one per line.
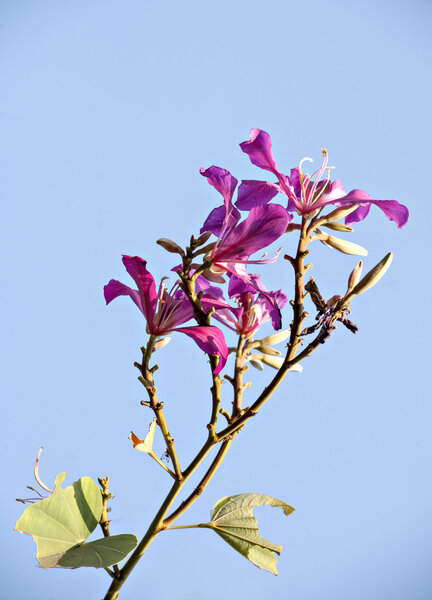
(107, 111)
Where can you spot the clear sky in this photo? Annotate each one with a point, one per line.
(107, 111)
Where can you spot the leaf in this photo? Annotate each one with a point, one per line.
(146, 444)
(233, 520)
(61, 524)
(104, 552)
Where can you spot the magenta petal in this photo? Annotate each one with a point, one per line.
(255, 193)
(115, 288)
(294, 180)
(263, 225)
(215, 221)
(259, 150)
(393, 210)
(224, 217)
(221, 180)
(136, 267)
(358, 215)
(210, 339)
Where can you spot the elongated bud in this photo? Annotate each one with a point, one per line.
(292, 227)
(338, 226)
(257, 364)
(340, 245)
(354, 277)
(207, 248)
(371, 278)
(275, 338)
(340, 213)
(170, 246)
(161, 342)
(268, 350)
(203, 238)
(277, 361)
(213, 277)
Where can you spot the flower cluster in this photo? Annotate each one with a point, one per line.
(237, 240)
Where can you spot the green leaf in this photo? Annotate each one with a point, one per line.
(61, 524)
(104, 552)
(233, 520)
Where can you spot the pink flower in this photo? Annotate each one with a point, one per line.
(164, 311)
(306, 193)
(238, 241)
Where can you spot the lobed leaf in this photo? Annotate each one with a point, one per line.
(60, 525)
(104, 552)
(232, 519)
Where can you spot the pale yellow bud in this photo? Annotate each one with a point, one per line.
(340, 213)
(275, 338)
(354, 277)
(340, 245)
(268, 350)
(338, 227)
(161, 342)
(257, 364)
(372, 277)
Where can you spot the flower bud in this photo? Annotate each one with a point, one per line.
(340, 213)
(372, 277)
(213, 277)
(338, 226)
(275, 338)
(161, 342)
(277, 361)
(203, 238)
(354, 277)
(341, 245)
(268, 350)
(170, 246)
(257, 364)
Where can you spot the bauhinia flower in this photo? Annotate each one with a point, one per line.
(164, 311)
(256, 304)
(306, 193)
(238, 241)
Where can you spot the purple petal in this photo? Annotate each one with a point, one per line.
(393, 210)
(335, 192)
(259, 150)
(273, 301)
(136, 267)
(222, 218)
(210, 339)
(215, 221)
(221, 180)
(213, 298)
(255, 193)
(115, 288)
(294, 180)
(358, 215)
(263, 226)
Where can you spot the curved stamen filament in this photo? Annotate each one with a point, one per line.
(301, 177)
(36, 473)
